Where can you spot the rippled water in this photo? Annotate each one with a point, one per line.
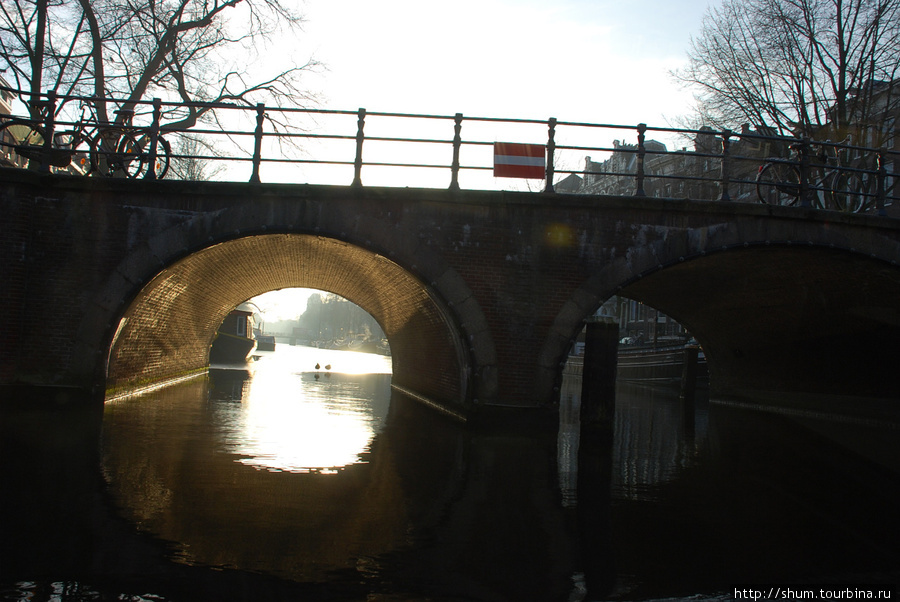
(283, 481)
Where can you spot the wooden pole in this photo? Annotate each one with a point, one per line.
(598, 398)
(598, 385)
(689, 373)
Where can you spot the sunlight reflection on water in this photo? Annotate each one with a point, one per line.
(296, 418)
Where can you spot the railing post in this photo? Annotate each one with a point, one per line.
(257, 144)
(804, 173)
(154, 140)
(360, 137)
(726, 165)
(642, 151)
(551, 152)
(880, 190)
(49, 128)
(457, 143)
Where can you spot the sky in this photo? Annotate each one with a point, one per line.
(593, 61)
(586, 61)
(603, 61)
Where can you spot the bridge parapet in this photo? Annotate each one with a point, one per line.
(332, 146)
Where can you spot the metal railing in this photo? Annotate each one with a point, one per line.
(723, 165)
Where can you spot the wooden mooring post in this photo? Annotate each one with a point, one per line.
(689, 373)
(598, 381)
(598, 402)
(689, 387)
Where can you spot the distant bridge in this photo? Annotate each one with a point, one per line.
(114, 283)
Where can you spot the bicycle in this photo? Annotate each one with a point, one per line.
(833, 183)
(854, 187)
(110, 150)
(121, 147)
(115, 151)
(23, 143)
(778, 181)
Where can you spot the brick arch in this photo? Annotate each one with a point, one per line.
(167, 328)
(687, 274)
(399, 273)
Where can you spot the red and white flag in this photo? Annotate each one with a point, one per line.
(512, 160)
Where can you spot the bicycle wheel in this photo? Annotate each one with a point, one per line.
(21, 144)
(163, 154)
(848, 192)
(163, 157)
(778, 184)
(116, 153)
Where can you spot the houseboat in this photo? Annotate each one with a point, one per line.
(234, 340)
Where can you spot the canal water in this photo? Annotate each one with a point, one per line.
(304, 477)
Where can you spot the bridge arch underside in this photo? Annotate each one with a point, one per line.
(786, 319)
(168, 328)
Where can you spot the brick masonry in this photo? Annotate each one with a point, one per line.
(117, 283)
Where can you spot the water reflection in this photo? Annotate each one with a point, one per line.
(656, 436)
(310, 433)
(299, 416)
(222, 502)
(200, 468)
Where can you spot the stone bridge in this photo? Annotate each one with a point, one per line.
(115, 284)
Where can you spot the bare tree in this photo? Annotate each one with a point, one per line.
(801, 67)
(194, 159)
(180, 50)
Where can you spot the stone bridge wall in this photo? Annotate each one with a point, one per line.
(481, 293)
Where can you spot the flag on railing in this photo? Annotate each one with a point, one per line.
(512, 160)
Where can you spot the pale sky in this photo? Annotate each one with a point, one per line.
(595, 61)
(603, 61)
(588, 61)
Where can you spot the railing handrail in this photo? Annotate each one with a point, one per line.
(721, 145)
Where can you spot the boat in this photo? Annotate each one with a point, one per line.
(264, 342)
(234, 340)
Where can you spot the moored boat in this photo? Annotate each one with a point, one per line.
(264, 342)
(234, 340)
